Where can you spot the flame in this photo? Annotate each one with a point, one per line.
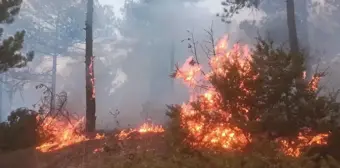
(293, 148)
(144, 128)
(98, 150)
(91, 73)
(314, 83)
(62, 133)
(200, 128)
(205, 132)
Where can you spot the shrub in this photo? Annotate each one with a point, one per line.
(19, 131)
(253, 97)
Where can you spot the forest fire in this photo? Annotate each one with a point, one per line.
(144, 128)
(62, 133)
(200, 115)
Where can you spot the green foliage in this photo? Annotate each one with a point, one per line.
(282, 97)
(8, 9)
(232, 7)
(20, 130)
(10, 57)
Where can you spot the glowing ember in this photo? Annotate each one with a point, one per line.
(98, 150)
(145, 128)
(203, 131)
(62, 133)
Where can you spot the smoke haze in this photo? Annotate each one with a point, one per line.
(135, 50)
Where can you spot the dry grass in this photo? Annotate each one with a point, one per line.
(82, 155)
(143, 150)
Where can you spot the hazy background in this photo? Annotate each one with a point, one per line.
(134, 44)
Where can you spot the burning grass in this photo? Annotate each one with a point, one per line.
(62, 132)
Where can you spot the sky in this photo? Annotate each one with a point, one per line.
(117, 4)
(213, 5)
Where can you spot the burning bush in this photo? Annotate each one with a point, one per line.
(49, 129)
(252, 96)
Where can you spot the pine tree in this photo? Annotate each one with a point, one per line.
(10, 56)
(260, 95)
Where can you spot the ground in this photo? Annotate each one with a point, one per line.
(92, 154)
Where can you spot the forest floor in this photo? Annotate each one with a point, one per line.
(104, 153)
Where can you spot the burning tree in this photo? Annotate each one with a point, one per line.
(248, 96)
(90, 88)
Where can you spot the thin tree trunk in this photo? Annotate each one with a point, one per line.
(293, 39)
(172, 65)
(1, 89)
(90, 88)
(54, 66)
(302, 7)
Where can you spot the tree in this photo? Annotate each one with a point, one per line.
(89, 73)
(9, 56)
(293, 39)
(253, 95)
(55, 26)
(65, 38)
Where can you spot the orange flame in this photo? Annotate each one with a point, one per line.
(63, 133)
(294, 148)
(144, 128)
(91, 73)
(207, 133)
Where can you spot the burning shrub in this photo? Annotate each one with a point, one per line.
(248, 96)
(19, 131)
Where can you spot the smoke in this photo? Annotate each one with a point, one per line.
(135, 51)
(134, 57)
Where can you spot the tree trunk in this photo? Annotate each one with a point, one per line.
(172, 65)
(293, 39)
(1, 89)
(89, 73)
(54, 67)
(302, 7)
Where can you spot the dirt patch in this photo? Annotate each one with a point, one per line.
(24, 158)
